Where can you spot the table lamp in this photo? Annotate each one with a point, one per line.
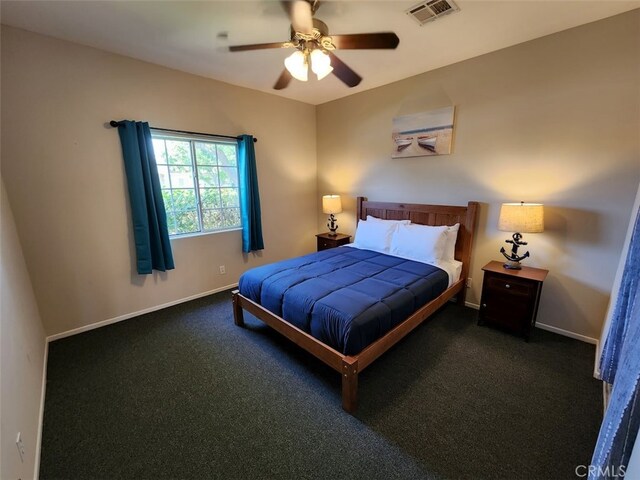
(520, 218)
(331, 204)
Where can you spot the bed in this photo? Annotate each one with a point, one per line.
(306, 298)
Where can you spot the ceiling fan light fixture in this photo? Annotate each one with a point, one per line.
(297, 65)
(325, 73)
(314, 47)
(320, 63)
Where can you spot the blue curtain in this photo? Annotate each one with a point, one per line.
(249, 196)
(620, 366)
(153, 249)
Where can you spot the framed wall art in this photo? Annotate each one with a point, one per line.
(423, 134)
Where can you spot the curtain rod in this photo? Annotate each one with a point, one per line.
(113, 123)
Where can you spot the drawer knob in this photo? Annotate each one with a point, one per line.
(484, 305)
(507, 286)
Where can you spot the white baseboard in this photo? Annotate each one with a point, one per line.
(567, 333)
(127, 316)
(36, 468)
(550, 328)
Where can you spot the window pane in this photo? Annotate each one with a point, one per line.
(208, 176)
(184, 199)
(231, 217)
(179, 152)
(171, 223)
(217, 184)
(228, 177)
(229, 197)
(166, 197)
(163, 173)
(181, 177)
(159, 151)
(187, 222)
(210, 198)
(205, 153)
(227, 155)
(211, 219)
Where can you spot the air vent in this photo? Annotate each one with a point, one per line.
(427, 11)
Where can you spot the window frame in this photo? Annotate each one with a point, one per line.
(192, 139)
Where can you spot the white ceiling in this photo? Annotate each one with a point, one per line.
(184, 34)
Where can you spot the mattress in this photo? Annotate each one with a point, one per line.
(346, 298)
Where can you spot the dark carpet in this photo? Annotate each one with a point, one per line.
(184, 393)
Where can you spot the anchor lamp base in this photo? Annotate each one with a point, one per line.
(512, 265)
(513, 259)
(332, 225)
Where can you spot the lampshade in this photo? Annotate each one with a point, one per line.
(521, 217)
(331, 204)
(320, 63)
(296, 63)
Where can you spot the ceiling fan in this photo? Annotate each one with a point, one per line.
(314, 46)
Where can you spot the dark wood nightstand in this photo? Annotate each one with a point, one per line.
(510, 298)
(326, 241)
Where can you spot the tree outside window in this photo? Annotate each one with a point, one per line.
(199, 180)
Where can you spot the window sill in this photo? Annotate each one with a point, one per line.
(202, 234)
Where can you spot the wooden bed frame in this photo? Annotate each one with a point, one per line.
(350, 365)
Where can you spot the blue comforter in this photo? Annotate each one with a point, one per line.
(345, 297)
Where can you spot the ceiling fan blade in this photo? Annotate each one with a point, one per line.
(366, 40)
(343, 71)
(301, 15)
(256, 46)
(283, 80)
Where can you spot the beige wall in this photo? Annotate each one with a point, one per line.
(554, 120)
(64, 175)
(22, 350)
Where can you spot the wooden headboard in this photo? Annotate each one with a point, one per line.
(435, 215)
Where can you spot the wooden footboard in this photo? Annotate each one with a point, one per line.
(350, 366)
(328, 355)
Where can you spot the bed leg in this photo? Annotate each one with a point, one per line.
(349, 385)
(238, 317)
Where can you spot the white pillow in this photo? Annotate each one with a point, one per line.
(422, 243)
(400, 222)
(450, 245)
(374, 235)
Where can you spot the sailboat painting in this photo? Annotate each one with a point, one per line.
(423, 134)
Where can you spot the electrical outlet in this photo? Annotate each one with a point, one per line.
(222, 270)
(469, 282)
(20, 446)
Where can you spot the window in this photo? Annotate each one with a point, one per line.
(199, 180)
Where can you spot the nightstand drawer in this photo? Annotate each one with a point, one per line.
(508, 286)
(324, 244)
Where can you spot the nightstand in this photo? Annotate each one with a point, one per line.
(326, 241)
(510, 298)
